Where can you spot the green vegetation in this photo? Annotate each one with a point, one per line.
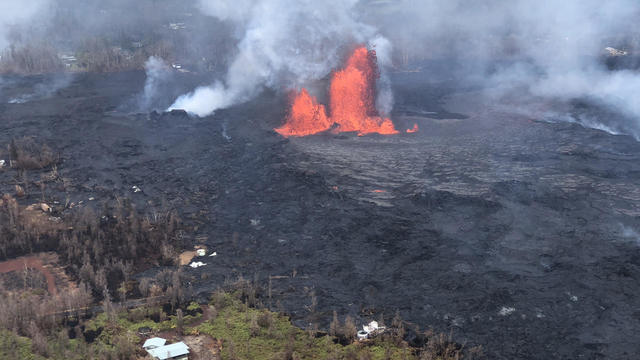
(105, 336)
(13, 346)
(249, 333)
(131, 321)
(237, 330)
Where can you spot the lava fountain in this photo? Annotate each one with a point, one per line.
(351, 102)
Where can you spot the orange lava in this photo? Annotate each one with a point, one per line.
(352, 102)
(306, 117)
(413, 129)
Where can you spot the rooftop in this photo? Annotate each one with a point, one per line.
(154, 343)
(169, 351)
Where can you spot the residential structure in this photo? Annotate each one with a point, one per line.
(158, 350)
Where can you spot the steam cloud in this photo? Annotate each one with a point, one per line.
(530, 51)
(550, 49)
(15, 13)
(158, 73)
(44, 89)
(283, 43)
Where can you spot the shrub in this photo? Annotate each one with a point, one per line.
(27, 154)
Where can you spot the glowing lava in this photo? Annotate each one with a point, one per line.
(306, 117)
(352, 102)
(413, 129)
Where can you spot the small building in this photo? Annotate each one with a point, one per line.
(177, 351)
(158, 350)
(153, 343)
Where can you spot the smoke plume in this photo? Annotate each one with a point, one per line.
(543, 49)
(47, 87)
(536, 49)
(16, 13)
(283, 44)
(523, 52)
(158, 74)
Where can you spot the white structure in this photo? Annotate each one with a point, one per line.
(615, 52)
(153, 343)
(372, 327)
(370, 330)
(158, 350)
(177, 26)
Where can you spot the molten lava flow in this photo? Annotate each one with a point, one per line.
(352, 94)
(413, 129)
(352, 102)
(306, 117)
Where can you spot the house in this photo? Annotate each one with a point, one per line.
(153, 343)
(158, 350)
(177, 351)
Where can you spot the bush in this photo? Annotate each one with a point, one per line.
(28, 154)
(193, 308)
(265, 320)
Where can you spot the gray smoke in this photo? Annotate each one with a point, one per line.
(158, 74)
(526, 53)
(15, 14)
(47, 87)
(536, 49)
(283, 44)
(384, 99)
(548, 49)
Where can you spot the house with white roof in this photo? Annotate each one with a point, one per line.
(153, 343)
(158, 350)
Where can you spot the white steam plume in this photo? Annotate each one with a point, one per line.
(158, 72)
(14, 13)
(552, 48)
(283, 44)
(384, 98)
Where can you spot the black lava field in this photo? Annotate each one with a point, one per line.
(510, 232)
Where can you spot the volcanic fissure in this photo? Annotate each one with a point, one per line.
(352, 103)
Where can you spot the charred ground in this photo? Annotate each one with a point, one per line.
(513, 233)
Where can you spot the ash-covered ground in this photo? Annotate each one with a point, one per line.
(514, 233)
